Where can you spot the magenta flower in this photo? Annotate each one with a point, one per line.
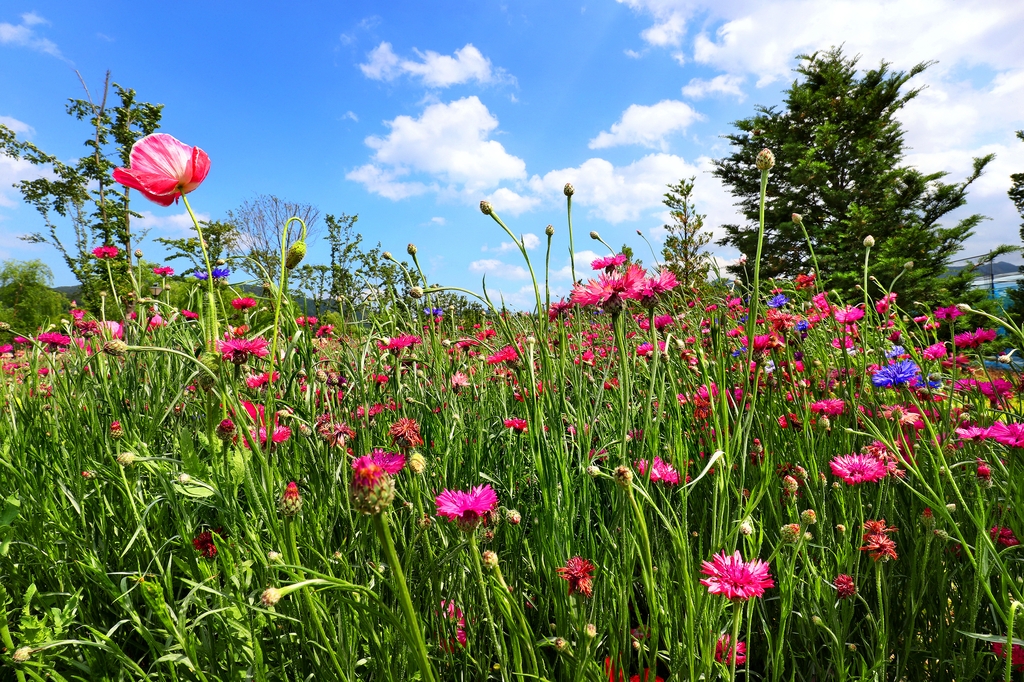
(608, 263)
(390, 462)
(858, 468)
(660, 470)
(239, 350)
(163, 168)
(517, 424)
(54, 340)
(830, 406)
(104, 252)
(467, 509)
(1011, 435)
(610, 291)
(735, 578)
(848, 315)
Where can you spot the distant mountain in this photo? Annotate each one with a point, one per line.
(997, 268)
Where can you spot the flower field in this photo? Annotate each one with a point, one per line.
(639, 482)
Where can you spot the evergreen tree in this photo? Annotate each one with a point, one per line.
(685, 238)
(839, 152)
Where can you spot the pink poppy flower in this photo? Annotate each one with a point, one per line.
(734, 578)
(163, 168)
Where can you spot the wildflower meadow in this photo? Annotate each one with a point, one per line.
(643, 481)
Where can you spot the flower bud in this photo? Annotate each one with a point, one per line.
(590, 630)
(808, 517)
(797, 219)
(270, 596)
(296, 252)
(116, 430)
(184, 479)
(568, 190)
(21, 655)
(746, 528)
(416, 292)
(115, 347)
(4, 327)
(273, 556)
(490, 559)
(790, 532)
(561, 644)
(486, 208)
(594, 235)
(869, 241)
(840, 528)
(964, 308)
(593, 471)
(411, 249)
(291, 501)
(417, 463)
(909, 265)
(387, 256)
(624, 476)
(126, 459)
(226, 430)
(765, 159)
(513, 517)
(550, 230)
(138, 253)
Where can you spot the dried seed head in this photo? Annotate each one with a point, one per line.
(270, 596)
(22, 655)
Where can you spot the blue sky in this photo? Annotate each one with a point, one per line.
(409, 113)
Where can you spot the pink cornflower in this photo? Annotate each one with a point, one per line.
(516, 424)
(467, 508)
(848, 315)
(239, 350)
(398, 343)
(608, 263)
(506, 354)
(936, 351)
(405, 433)
(243, 303)
(653, 287)
(829, 406)
(189, 315)
(950, 313)
(610, 291)
(163, 168)
(454, 614)
(459, 381)
(660, 470)
(724, 652)
(972, 432)
(577, 572)
(54, 340)
(858, 468)
(1011, 435)
(734, 578)
(390, 462)
(105, 252)
(163, 271)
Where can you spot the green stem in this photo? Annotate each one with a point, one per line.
(214, 328)
(737, 617)
(475, 552)
(380, 524)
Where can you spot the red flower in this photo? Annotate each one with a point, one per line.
(877, 542)
(104, 252)
(243, 303)
(1016, 654)
(406, 433)
(163, 168)
(204, 542)
(577, 571)
(239, 350)
(516, 424)
(845, 586)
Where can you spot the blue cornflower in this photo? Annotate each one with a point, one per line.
(221, 272)
(438, 312)
(778, 301)
(895, 352)
(803, 325)
(200, 275)
(742, 350)
(896, 374)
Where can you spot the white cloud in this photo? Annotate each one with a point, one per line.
(495, 268)
(24, 35)
(433, 69)
(173, 225)
(647, 125)
(448, 142)
(583, 259)
(530, 241)
(438, 220)
(724, 84)
(506, 201)
(617, 193)
(19, 127)
(351, 115)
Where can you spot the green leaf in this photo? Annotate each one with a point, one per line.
(994, 639)
(194, 489)
(12, 507)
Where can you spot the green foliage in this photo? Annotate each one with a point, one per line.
(839, 153)
(80, 205)
(258, 224)
(1016, 194)
(684, 251)
(222, 240)
(26, 299)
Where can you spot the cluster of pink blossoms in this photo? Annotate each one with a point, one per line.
(612, 289)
